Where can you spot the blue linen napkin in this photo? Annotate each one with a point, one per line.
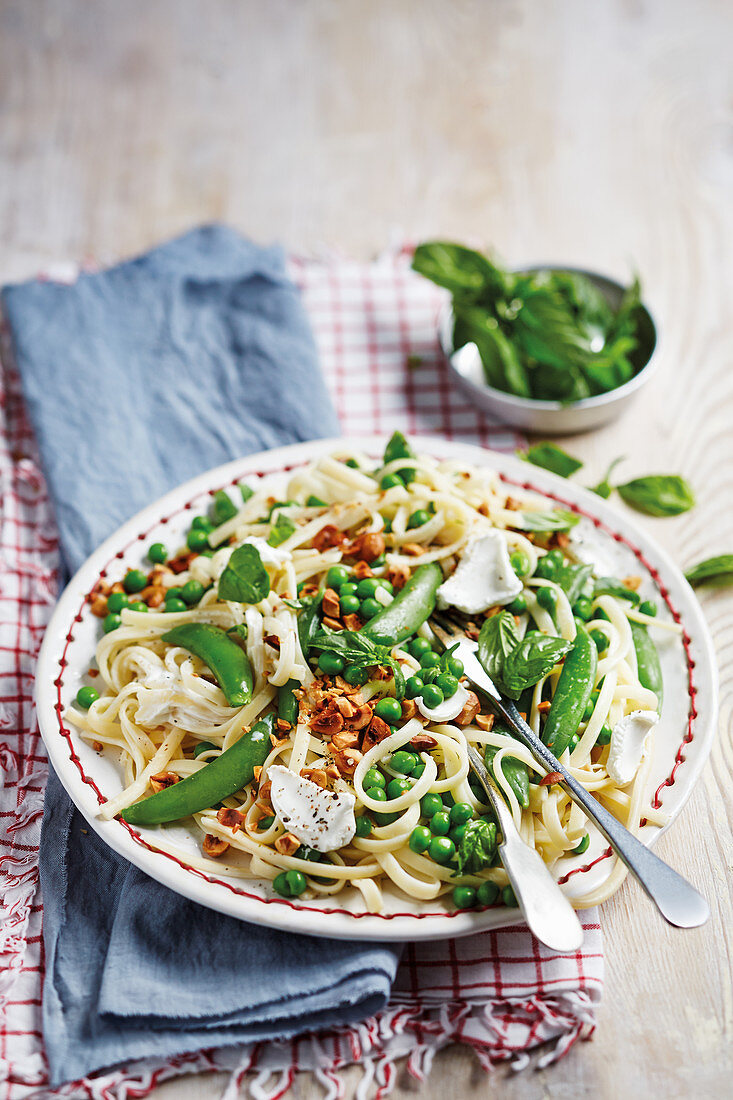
(137, 379)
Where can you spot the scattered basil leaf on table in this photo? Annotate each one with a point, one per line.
(658, 495)
(716, 570)
(604, 488)
(535, 656)
(282, 529)
(551, 457)
(476, 848)
(556, 520)
(245, 578)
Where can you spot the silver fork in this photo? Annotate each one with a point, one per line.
(676, 899)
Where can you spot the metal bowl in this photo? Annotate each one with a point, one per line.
(550, 417)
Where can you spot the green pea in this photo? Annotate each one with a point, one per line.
(440, 823)
(374, 778)
(397, 787)
(583, 608)
(86, 695)
(442, 849)
(460, 813)
(297, 883)
(110, 623)
(647, 607)
(336, 576)
(487, 893)
(174, 593)
(280, 885)
(509, 898)
(116, 601)
(330, 663)
(418, 769)
(356, 675)
(390, 481)
(520, 563)
(135, 581)
(464, 897)
(265, 823)
(456, 834)
(518, 606)
(418, 518)
(385, 819)
(369, 608)
(574, 741)
(386, 585)
(590, 706)
(157, 553)
(547, 598)
(137, 605)
(192, 592)
(348, 589)
(447, 684)
(582, 845)
(430, 804)
(197, 540)
(455, 667)
(378, 794)
(429, 659)
(604, 736)
(556, 557)
(349, 604)
(363, 826)
(432, 696)
(420, 838)
(600, 640)
(367, 587)
(418, 647)
(414, 686)
(204, 746)
(171, 605)
(545, 569)
(389, 710)
(404, 762)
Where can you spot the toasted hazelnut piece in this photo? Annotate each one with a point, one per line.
(347, 761)
(153, 595)
(327, 537)
(362, 570)
(368, 546)
(471, 708)
(278, 742)
(412, 549)
(345, 739)
(214, 846)
(348, 689)
(352, 622)
(362, 717)
(316, 775)
(544, 706)
(332, 771)
(328, 721)
(99, 606)
(331, 605)
(345, 706)
(550, 779)
(377, 731)
(97, 746)
(632, 582)
(398, 576)
(233, 819)
(513, 505)
(283, 725)
(287, 844)
(264, 791)
(162, 780)
(423, 742)
(484, 722)
(332, 624)
(257, 772)
(409, 709)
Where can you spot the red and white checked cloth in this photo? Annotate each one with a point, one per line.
(500, 992)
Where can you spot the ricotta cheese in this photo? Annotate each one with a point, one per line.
(321, 819)
(483, 578)
(627, 744)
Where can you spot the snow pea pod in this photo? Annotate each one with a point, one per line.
(225, 658)
(515, 772)
(572, 693)
(647, 661)
(223, 777)
(410, 608)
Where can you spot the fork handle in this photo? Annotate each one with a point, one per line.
(676, 899)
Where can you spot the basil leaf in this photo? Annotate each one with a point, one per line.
(658, 495)
(398, 447)
(281, 531)
(515, 772)
(245, 578)
(556, 520)
(609, 586)
(223, 508)
(498, 637)
(476, 848)
(717, 570)
(551, 457)
(604, 488)
(463, 271)
(535, 656)
(245, 491)
(503, 369)
(590, 306)
(546, 330)
(573, 579)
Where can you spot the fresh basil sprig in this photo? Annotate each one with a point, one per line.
(658, 494)
(360, 651)
(515, 664)
(717, 570)
(245, 578)
(556, 520)
(476, 848)
(604, 488)
(573, 579)
(551, 457)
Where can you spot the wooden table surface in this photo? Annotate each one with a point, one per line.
(594, 134)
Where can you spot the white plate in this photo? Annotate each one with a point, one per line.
(683, 738)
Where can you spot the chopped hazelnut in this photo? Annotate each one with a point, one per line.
(162, 780)
(214, 846)
(327, 537)
(331, 605)
(471, 708)
(287, 844)
(233, 819)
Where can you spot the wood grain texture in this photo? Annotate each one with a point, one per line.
(595, 134)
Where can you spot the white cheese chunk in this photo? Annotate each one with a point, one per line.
(448, 709)
(627, 744)
(321, 819)
(484, 577)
